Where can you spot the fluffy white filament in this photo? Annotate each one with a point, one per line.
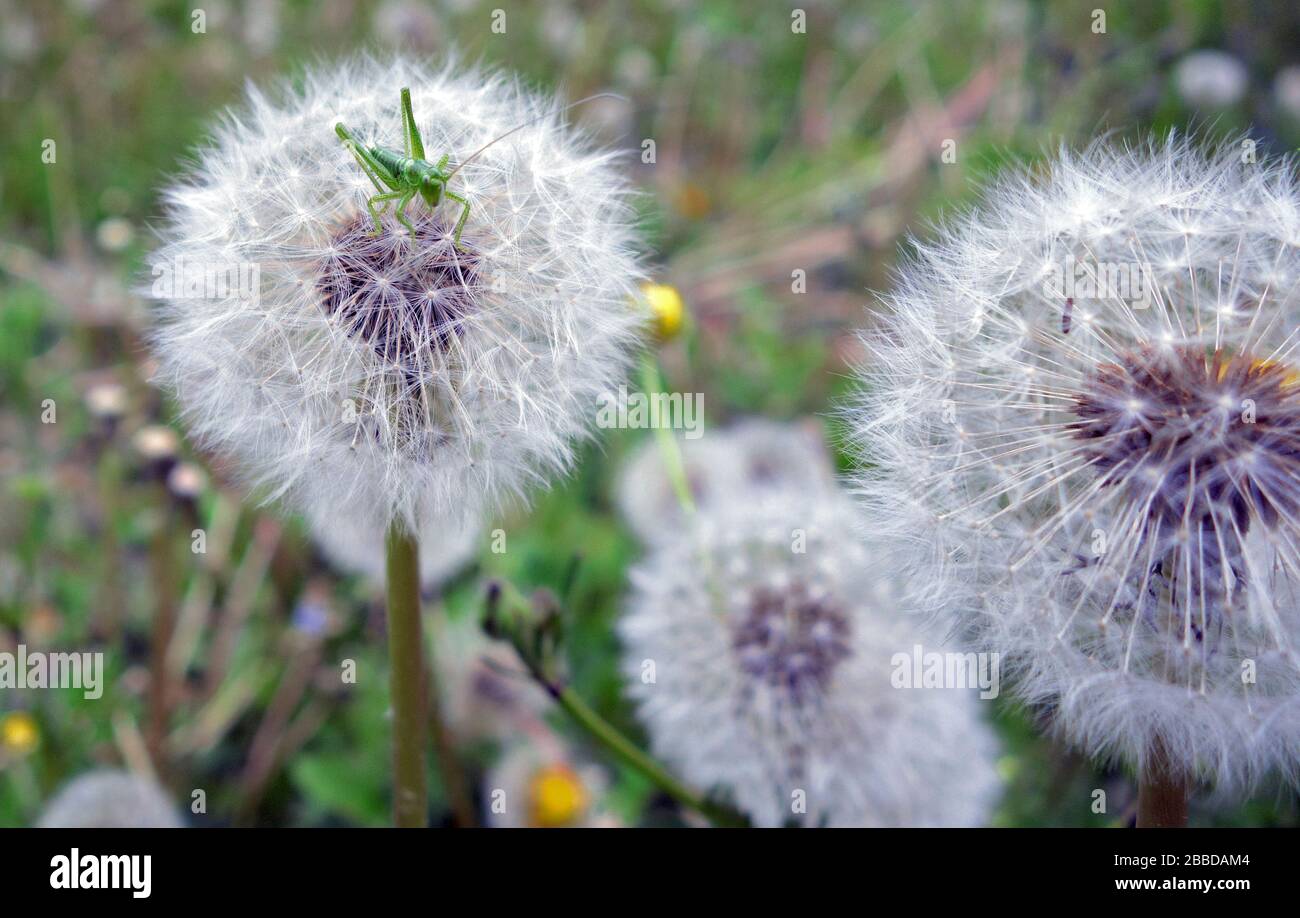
(108, 799)
(770, 632)
(1080, 406)
(390, 378)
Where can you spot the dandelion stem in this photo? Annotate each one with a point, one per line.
(1162, 789)
(652, 382)
(407, 686)
(632, 755)
(511, 616)
(1162, 793)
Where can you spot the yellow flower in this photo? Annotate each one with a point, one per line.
(556, 797)
(666, 307)
(19, 733)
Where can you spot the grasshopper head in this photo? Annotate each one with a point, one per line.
(431, 188)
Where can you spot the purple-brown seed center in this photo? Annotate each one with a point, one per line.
(1210, 440)
(1205, 446)
(791, 640)
(404, 296)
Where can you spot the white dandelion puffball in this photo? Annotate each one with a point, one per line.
(1211, 79)
(1083, 404)
(109, 799)
(396, 377)
(748, 455)
(759, 648)
(352, 547)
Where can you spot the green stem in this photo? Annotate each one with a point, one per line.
(406, 681)
(512, 617)
(671, 451)
(631, 754)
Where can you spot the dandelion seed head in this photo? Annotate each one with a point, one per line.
(1211, 79)
(1113, 503)
(402, 297)
(397, 377)
(108, 799)
(771, 629)
(107, 401)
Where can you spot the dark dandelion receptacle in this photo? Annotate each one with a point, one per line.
(1203, 437)
(1206, 447)
(791, 639)
(404, 297)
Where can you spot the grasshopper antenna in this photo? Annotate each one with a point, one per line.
(519, 127)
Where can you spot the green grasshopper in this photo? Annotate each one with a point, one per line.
(405, 174)
(408, 173)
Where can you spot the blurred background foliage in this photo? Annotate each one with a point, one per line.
(775, 152)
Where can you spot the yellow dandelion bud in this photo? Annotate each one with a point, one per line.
(19, 733)
(667, 308)
(556, 797)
